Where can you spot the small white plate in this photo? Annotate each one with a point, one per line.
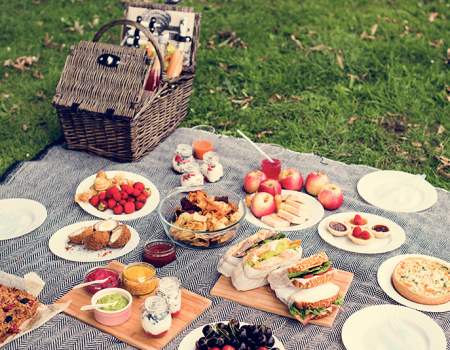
(317, 213)
(150, 205)
(188, 343)
(378, 245)
(19, 216)
(60, 245)
(384, 276)
(360, 331)
(374, 185)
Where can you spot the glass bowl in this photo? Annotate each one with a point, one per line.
(139, 278)
(159, 252)
(97, 273)
(198, 239)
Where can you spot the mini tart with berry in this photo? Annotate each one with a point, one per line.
(357, 220)
(380, 230)
(361, 237)
(338, 228)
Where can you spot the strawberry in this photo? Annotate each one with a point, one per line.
(111, 203)
(117, 197)
(124, 187)
(129, 190)
(258, 348)
(122, 202)
(131, 199)
(103, 205)
(147, 192)
(114, 190)
(94, 200)
(142, 198)
(139, 186)
(118, 209)
(136, 192)
(124, 194)
(139, 205)
(129, 207)
(102, 196)
(108, 193)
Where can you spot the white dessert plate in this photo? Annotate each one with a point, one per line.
(317, 213)
(373, 186)
(361, 330)
(384, 276)
(378, 245)
(150, 205)
(19, 216)
(61, 246)
(188, 343)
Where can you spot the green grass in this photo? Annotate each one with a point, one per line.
(397, 93)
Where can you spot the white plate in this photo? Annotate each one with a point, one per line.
(78, 252)
(19, 216)
(150, 205)
(378, 245)
(360, 331)
(384, 276)
(374, 185)
(316, 214)
(188, 343)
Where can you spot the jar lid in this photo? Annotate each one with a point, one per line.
(156, 303)
(191, 167)
(210, 157)
(169, 285)
(184, 150)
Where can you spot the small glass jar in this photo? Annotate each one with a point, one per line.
(212, 170)
(191, 175)
(183, 155)
(139, 278)
(100, 273)
(155, 318)
(159, 252)
(169, 288)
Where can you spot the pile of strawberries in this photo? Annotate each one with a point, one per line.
(125, 199)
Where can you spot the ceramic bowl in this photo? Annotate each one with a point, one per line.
(112, 318)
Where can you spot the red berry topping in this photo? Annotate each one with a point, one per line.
(147, 192)
(8, 307)
(111, 203)
(142, 198)
(124, 194)
(357, 220)
(102, 196)
(118, 209)
(129, 207)
(139, 205)
(136, 192)
(177, 159)
(117, 197)
(94, 200)
(365, 235)
(103, 205)
(209, 169)
(357, 232)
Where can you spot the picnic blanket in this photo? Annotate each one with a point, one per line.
(53, 179)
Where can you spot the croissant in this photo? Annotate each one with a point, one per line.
(101, 184)
(101, 174)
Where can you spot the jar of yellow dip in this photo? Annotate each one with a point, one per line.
(139, 278)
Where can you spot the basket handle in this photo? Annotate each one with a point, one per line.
(150, 36)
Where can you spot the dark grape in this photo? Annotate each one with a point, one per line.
(255, 333)
(263, 329)
(212, 342)
(270, 341)
(220, 342)
(202, 342)
(275, 349)
(221, 325)
(207, 330)
(233, 342)
(268, 332)
(224, 333)
(262, 340)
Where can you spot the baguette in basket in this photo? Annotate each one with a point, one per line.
(254, 268)
(235, 254)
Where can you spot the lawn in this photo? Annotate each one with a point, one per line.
(362, 82)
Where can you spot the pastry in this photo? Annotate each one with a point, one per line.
(357, 220)
(120, 236)
(361, 237)
(380, 230)
(422, 280)
(337, 228)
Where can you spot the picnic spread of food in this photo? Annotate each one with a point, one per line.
(266, 231)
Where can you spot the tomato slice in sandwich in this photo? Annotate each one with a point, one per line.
(308, 276)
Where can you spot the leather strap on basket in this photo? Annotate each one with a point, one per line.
(150, 36)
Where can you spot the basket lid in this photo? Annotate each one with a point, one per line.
(103, 78)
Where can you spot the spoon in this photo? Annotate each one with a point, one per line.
(89, 283)
(96, 306)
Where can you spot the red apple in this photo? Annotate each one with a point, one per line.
(331, 197)
(263, 204)
(270, 186)
(291, 179)
(314, 182)
(253, 180)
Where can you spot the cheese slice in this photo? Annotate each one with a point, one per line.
(294, 219)
(293, 197)
(299, 212)
(275, 221)
(298, 205)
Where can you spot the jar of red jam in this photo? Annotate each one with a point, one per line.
(159, 252)
(100, 273)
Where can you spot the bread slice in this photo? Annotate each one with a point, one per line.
(307, 263)
(422, 280)
(305, 283)
(323, 295)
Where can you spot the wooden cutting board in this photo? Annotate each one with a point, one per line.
(264, 298)
(131, 332)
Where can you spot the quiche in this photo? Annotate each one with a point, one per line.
(422, 280)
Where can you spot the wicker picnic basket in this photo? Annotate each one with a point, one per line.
(101, 108)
